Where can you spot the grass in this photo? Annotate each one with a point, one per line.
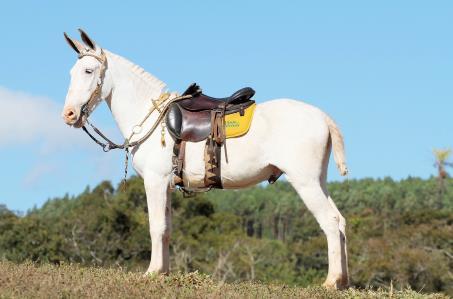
(29, 280)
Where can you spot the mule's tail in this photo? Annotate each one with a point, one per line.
(338, 145)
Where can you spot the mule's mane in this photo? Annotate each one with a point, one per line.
(147, 85)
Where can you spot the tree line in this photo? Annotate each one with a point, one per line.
(399, 232)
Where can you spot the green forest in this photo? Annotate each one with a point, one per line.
(399, 233)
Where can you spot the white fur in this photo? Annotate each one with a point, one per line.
(285, 134)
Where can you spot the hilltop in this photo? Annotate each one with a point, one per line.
(72, 281)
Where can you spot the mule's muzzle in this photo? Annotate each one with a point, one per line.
(73, 118)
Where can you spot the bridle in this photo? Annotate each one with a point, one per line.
(89, 106)
(161, 105)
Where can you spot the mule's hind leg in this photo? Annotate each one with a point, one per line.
(328, 218)
(341, 223)
(344, 249)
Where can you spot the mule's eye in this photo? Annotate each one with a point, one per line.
(88, 71)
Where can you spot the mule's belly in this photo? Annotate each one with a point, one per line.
(240, 171)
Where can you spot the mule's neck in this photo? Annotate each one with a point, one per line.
(132, 92)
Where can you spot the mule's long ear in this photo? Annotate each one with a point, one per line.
(87, 40)
(78, 47)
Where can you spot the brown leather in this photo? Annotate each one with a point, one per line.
(181, 156)
(274, 177)
(203, 102)
(178, 162)
(203, 118)
(200, 101)
(196, 126)
(218, 126)
(212, 156)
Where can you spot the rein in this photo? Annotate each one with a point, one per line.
(136, 130)
(109, 144)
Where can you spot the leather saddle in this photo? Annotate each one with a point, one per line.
(200, 117)
(194, 119)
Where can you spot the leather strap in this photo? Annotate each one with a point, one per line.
(274, 177)
(212, 178)
(218, 126)
(181, 156)
(179, 149)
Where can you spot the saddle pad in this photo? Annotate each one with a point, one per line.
(237, 125)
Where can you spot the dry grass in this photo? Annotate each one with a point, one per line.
(71, 281)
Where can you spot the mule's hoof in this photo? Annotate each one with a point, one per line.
(153, 274)
(337, 284)
(330, 285)
(150, 274)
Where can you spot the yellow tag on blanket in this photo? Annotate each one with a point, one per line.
(237, 125)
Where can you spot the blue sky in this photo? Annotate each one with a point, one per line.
(382, 69)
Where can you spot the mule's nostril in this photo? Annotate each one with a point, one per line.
(70, 115)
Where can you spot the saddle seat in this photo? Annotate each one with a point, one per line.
(195, 118)
(200, 101)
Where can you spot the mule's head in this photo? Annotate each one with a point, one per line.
(87, 81)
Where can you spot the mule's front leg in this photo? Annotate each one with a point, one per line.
(159, 213)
